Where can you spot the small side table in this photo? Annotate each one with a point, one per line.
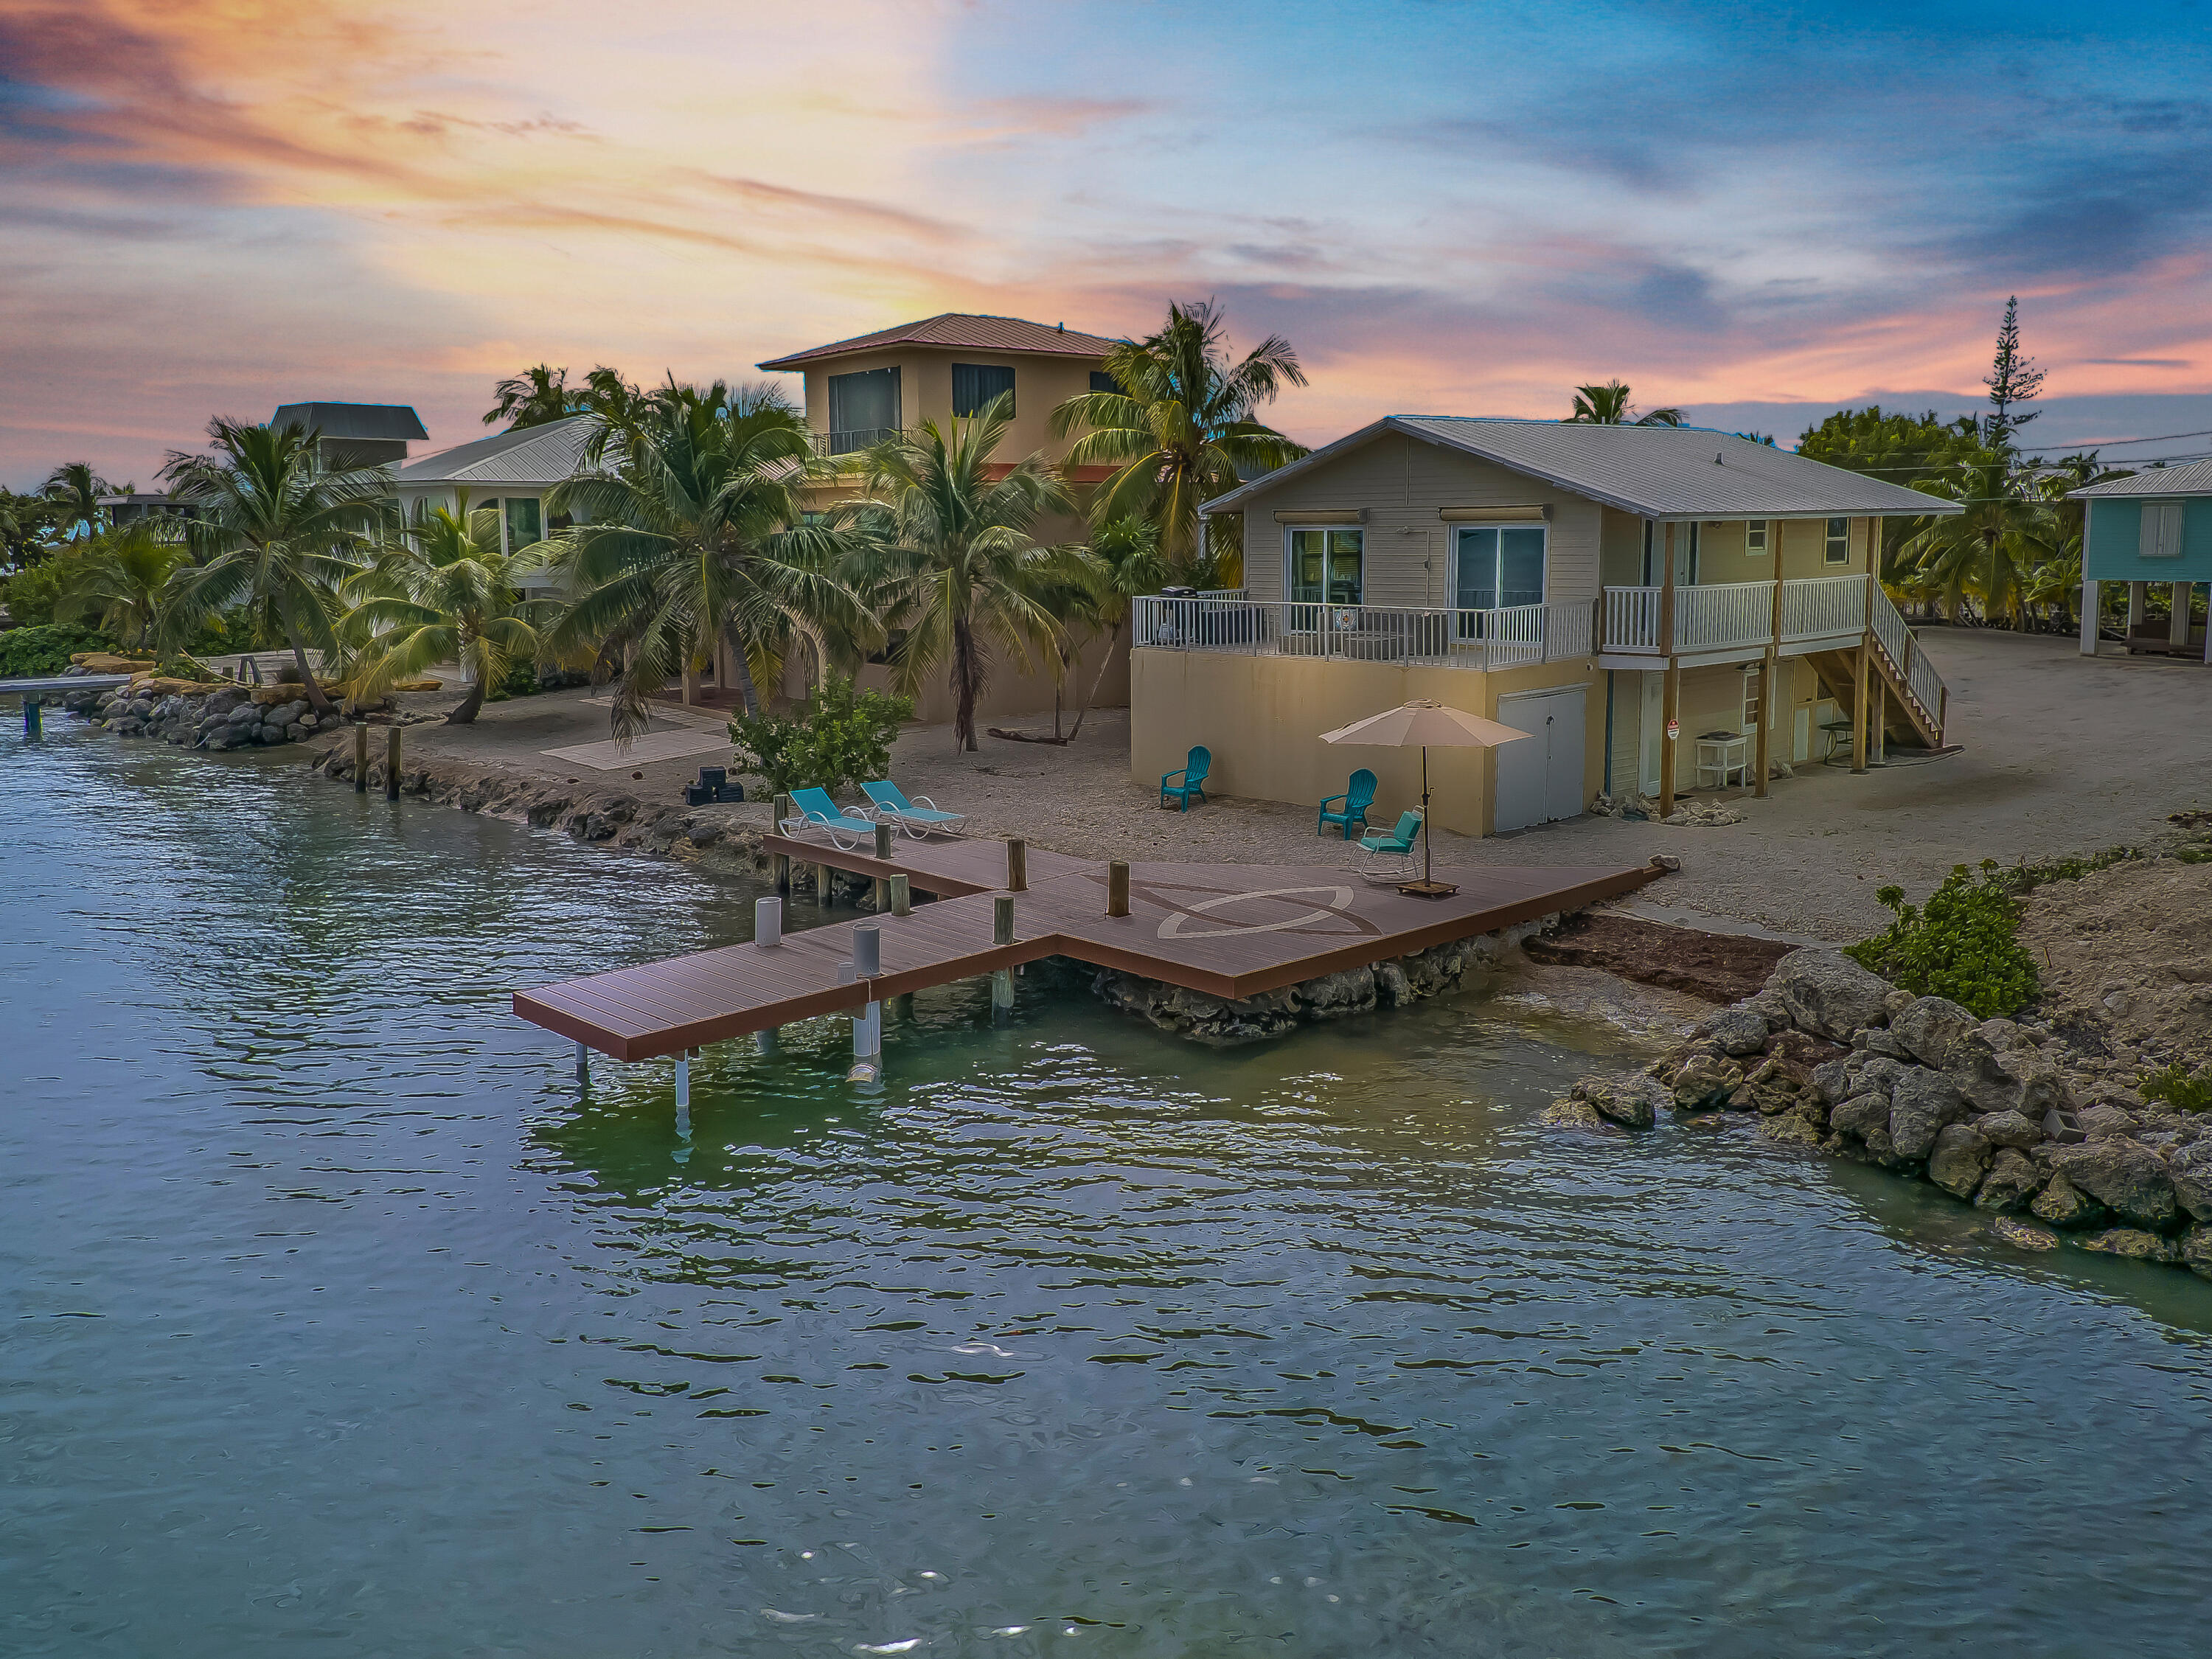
(1722, 753)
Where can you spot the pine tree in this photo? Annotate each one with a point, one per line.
(2013, 379)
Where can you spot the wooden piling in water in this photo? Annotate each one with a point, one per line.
(391, 764)
(883, 883)
(1002, 932)
(359, 758)
(902, 891)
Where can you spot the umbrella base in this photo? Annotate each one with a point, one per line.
(1428, 889)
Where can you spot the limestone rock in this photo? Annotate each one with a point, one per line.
(2191, 1171)
(2011, 1183)
(2130, 1242)
(1705, 1080)
(1831, 1080)
(1921, 1103)
(1391, 988)
(1792, 1127)
(2106, 1123)
(2126, 1177)
(1861, 1114)
(1958, 1159)
(1929, 1027)
(1570, 1115)
(2024, 1235)
(2008, 1128)
(1625, 1100)
(2196, 1251)
(2064, 1205)
(1737, 1030)
(1825, 993)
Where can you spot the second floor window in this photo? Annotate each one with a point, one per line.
(973, 386)
(1840, 541)
(521, 523)
(1754, 539)
(1499, 566)
(863, 409)
(1101, 381)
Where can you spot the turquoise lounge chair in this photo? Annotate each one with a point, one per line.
(818, 811)
(1358, 795)
(1192, 773)
(1390, 853)
(917, 818)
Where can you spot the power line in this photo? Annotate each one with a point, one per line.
(2120, 443)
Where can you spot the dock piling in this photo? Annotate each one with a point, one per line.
(361, 757)
(902, 893)
(779, 863)
(392, 765)
(1002, 932)
(1018, 865)
(684, 1092)
(34, 720)
(767, 922)
(1117, 888)
(583, 1067)
(868, 1024)
(883, 883)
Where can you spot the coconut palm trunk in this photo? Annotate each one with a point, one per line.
(966, 682)
(318, 699)
(1113, 640)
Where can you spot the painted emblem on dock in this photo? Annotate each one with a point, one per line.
(1336, 908)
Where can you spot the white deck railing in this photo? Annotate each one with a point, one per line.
(1480, 640)
(1823, 607)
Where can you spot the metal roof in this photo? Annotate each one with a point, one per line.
(2195, 479)
(962, 329)
(1653, 471)
(387, 421)
(537, 456)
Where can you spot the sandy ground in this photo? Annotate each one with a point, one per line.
(2061, 754)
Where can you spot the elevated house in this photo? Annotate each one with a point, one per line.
(860, 391)
(1659, 606)
(2155, 526)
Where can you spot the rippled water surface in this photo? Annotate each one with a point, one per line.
(336, 1323)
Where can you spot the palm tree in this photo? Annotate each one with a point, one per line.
(691, 533)
(537, 397)
(1608, 405)
(1122, 561)
(76, 490)
(441, 592)
(275, 531)
(1988, 546)
(950, 553)
(117, 580)
(1180, 431)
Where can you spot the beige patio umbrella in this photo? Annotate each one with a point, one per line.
(1425, 725)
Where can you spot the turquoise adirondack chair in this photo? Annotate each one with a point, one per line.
(1192, 773)
(1358, 795)
(1390, 851)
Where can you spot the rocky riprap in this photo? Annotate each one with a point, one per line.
(2006, 1115)
(1392, 984)
(212, 718)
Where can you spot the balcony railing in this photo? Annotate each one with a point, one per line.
(1479, 639)
(853, 442)
(1729, 616)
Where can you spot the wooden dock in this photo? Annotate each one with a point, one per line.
(1226, 930)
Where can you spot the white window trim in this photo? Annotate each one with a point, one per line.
(1291, 568)
(1765, 547)
(1829, 541)
(1451, 574)
(2159, 533)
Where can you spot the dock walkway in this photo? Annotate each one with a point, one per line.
(1225, 930)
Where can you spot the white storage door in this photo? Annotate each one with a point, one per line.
(1540, 778)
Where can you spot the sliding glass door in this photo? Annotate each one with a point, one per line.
(1325, 567)
(1497, 566)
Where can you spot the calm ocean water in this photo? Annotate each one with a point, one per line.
(335, 1322)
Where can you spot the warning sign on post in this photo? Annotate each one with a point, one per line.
(1674, 729)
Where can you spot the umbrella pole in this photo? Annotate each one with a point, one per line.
(1428, 867)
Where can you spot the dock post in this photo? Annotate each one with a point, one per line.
(1117, 888)
(902, 891)
(1018, 865)
(32, 719)
(767, 1039)
(359, 757)
(882, 855)
(821, 884)
(868, 1024)
(684, 1092)
(392, 765)
(778, 864)
(1002, 932)
(583, 1067)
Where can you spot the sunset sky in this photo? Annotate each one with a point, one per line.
(214, 206)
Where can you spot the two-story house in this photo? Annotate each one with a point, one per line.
(1654, 605)
(861, 390)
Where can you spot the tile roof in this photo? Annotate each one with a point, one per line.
(538, 456)
(2195, 479)
(961, 330)
(1653, 471)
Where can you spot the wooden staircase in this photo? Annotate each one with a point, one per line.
(1915, 701)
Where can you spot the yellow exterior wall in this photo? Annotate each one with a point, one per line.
(1041, 385)
(1262, 716)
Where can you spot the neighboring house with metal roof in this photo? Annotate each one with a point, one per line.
(1658, 605)
(2151, 526)
(355, 435)
(511, 472)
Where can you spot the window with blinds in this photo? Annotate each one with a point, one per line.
(2161, 537)
(973, 386)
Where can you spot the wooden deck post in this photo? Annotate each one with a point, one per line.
(1770, 664)
(883, 883)
(391, 764)
(1002, 932)
(902, 894)
(583, 1068)
(359, 758)
(1671, 702)
(1018, 865)
(2177, 626)
(1859, 701)
(1117, 888)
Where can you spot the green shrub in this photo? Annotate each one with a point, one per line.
(521, 681)
(1963, 944)
(2188, 1091)
(843, 737)
(30, 595)
(234, 633)
(46, 650)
